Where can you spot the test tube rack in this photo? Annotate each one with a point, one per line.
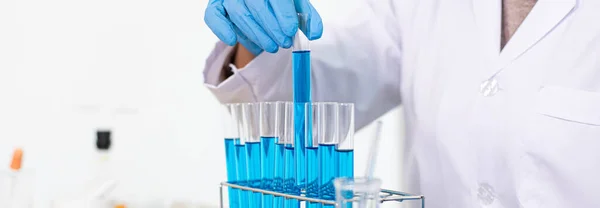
(385, 195)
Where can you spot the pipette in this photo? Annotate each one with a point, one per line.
(15, 167)
(372, 160)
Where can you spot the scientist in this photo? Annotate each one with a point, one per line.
(501, 98)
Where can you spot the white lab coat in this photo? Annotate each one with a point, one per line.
(530, 137)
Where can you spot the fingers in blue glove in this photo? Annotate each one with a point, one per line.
(263, 14)
(249, 45)
(286, 15)
(243, 19)
(315, 23)
(215, 18)
(313, 29)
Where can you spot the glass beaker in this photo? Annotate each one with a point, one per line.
(357, 193)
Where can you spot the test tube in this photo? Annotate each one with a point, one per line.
(240, 154)
(231, 134)
(312, 153)
(327, 128)
(289, 183)
(269, 135)
(279, 158)
(345, 147)
(301, 95)
(251, 134)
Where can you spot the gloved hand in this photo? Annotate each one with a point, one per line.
(261, 24)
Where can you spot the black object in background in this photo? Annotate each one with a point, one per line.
(103, 140)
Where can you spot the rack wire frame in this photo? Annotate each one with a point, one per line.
(385, 195)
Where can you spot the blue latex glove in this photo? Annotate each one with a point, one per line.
(261, 24)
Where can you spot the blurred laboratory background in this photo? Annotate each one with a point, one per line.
(70, 68)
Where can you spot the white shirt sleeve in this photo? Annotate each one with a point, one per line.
(357, 61)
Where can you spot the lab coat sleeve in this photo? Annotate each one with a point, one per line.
(355, 61)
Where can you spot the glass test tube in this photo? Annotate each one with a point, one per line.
(289, 185)
(240, 153)
(269, 136)
(301, 95)
(231, 133)
(251, 135)
(345, 147)
(312, 153)
(327, 128)
(279, 164)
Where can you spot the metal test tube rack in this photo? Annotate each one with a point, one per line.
(385, 195)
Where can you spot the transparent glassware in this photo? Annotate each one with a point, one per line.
(231, 133)
(290, 173)
(357, 193)
(16, 188)
(326, 129)
(345, 145)
(251, 138)
(312, 153)
(270, 116)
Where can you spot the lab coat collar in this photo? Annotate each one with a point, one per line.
(488, 18)
(544, 17)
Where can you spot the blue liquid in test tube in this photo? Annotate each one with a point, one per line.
(289, 183)
(251, 137)
(254, 173)
(235, 154)
(328, 169)
(346, 166)
(346, 163)
(240, 157)
(345, 148)
(326, 126)
(312, 175)
(268, 152)
(231, 171)
(279, 173)
(289, 176)
(301, 78)
(302, 95)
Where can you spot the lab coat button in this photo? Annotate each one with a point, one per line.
(489, 87)
(486, 194)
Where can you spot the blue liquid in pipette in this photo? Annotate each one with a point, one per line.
(289, 182)
(268, 151)
(346, 168)
(231, 171)
(301, 91)
(279, 174)
(254, 172)
(312, 175)
(328, 169)
(242, 175)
